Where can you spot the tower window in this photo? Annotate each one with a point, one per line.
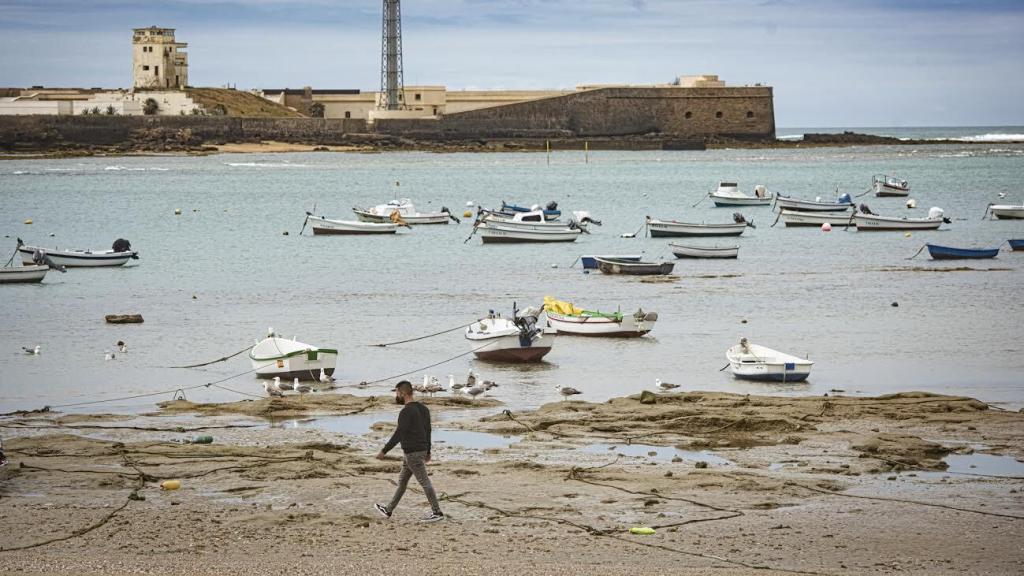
(750, 114)
(145, 67)
(348, 114)
(718, 114)
(688, 115)
(418, 98)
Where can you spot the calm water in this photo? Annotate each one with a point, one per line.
(802, 291)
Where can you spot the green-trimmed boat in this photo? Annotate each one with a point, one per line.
(289, 359)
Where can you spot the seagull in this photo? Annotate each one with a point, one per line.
(470, 379)
(567, 391)
(1002, 194)
(475, 391)
(488, 384)
(279, 386)
(324, 377)
(272, 391)
(300, 388)
(434, 388)
(33, 351)
(665, 385)
(433, 382)
(108, 355)
(121, 346)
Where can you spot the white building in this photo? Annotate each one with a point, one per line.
(157, 61)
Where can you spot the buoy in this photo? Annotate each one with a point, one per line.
(469, 203)
(170, 484)
(177, 211)
(285, 233)
(467, 214)
(907, 235)
(194, 297)
(554, 265)
(911, 203)
(29, 221)
(826, 227)
(645, 530)
(744, 321)
(895, 304)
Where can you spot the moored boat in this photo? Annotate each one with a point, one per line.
(753, 362)
(277, 356)
(406, 210)
(568, 319)
(633, 268)
(551, 211)
(883, 185)
(691, 251)
(517, 339)
(949, 253)
(590, 262)
(842, 204)
(118, 255)
(874, 222)
(1016, 244)
(493, 232)
(728, 194)
(1007, 211)
(672, 228)
(322, 226)
(797, 218)
(23, 274)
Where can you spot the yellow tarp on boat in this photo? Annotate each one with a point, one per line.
(560, 307)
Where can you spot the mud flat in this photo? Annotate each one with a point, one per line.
(731, 485)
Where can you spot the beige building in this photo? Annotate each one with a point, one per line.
(157, 61)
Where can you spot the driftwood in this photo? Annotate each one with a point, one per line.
(124, 318)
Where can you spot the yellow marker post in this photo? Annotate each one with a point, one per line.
(586, 152)
(547, 148)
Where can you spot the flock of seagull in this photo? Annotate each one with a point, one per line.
(107, 354)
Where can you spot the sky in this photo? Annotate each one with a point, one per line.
(831, 63)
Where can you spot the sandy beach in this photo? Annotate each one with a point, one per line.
(765, 485)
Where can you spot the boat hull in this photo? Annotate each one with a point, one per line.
(1016, 244)
(753, 362)
(291, 359)
(784, 376)
(793, 218)
(626, 327)
(507, 348)
(493, 234)
(412, 220)
(326, 226)
(950, 253)
(872, 223)
(725, 252)
(73, 259)
(590, 262)
(663, 229)
(634, 268)
(1007, 212)
(722, 200)
(812, 206)
(23, 274)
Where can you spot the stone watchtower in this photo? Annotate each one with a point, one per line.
(156, 59)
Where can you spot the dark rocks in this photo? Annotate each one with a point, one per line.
(124, 318)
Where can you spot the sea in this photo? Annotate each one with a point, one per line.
(213, 279)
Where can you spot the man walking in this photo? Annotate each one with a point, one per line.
(413, 433)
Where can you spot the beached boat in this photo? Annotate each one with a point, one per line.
(321, 225)
(590, 262)
(873, 222)
(118, 255)
(753, 362)
(797, 218)
(568, 319)
(883, 185)
(492, 232)
(1007, 211)
(277, 356)
(517, 339)
(632, 267)
(691, 251)
(728, 194)
(1016, 244)
(406, 210)
(949, 253)
(551, 211)
(672, 228)
(842, 204)
(23, 274)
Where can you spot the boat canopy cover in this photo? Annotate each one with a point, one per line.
(561, 307)
(844, 198)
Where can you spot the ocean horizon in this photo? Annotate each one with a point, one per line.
(957, 133)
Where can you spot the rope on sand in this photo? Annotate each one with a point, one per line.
(902, 501)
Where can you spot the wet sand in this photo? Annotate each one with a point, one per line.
(823, 485)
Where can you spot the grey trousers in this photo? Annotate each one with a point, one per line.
(414, 464)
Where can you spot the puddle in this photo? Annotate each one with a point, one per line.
(359, 425)
(469, 439)
(660, 453)
(989, 464)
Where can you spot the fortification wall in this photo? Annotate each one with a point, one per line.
(742, 112)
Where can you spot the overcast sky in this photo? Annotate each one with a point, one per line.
(832, 63)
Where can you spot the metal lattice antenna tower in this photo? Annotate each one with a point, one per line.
(391, 84)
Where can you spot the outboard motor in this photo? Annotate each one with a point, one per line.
(552, 205)
(445, 210)
(864, 209)
(527, 323)
(740, 219)
(121, 245)
(844, 198)
(936, 212)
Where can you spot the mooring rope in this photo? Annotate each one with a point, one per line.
(427, 336)
(222, 359)
(923, 246)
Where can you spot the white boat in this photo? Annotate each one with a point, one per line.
(842, 204)
(670, 228)
(276, 356)
(493, 232)
(728, 194)
(406, 210)
(690, 251)
(590, 261)
(871, 222)
(883, 185)
(118, 256)
(798, 218)
(22, 274)
(516, 339)
(752, 362)
(321, 225)
(568, 319)
(1007, 211)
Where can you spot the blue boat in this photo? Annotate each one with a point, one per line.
(948, 253)
(1016, 244)
(590, 262)
(551, 211)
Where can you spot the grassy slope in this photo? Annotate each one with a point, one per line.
(240, 103)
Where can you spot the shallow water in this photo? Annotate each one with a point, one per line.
(656, 453)
(824, 295)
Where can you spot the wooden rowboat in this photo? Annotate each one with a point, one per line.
(630, 267)
(22, 274)
(949, 253)
(321, 225)
(1016, 244)
(753, 362)
(671, 228)
(682, 251)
